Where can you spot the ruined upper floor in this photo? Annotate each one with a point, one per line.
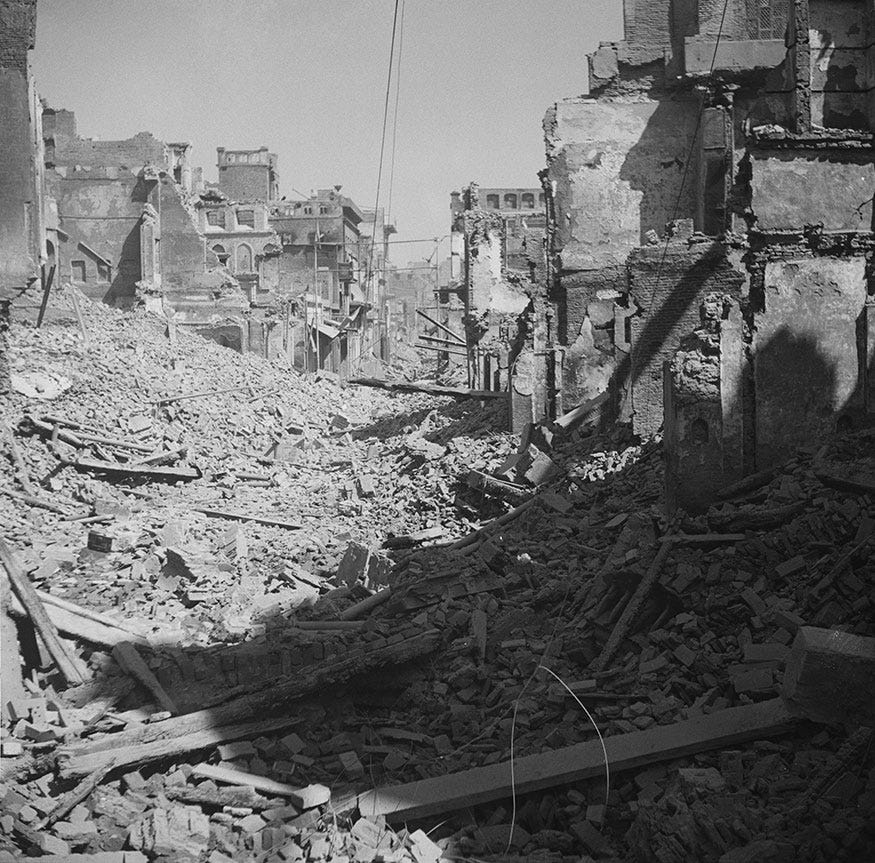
(812, 57)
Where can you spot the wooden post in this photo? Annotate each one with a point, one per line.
(47, 287)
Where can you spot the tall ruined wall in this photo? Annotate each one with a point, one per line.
(101, 208)
(183, 247)
(101, 188)
(21, 226)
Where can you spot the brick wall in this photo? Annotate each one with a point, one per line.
(245, 182)
(17, 32)
(132, 153)
(670, 298)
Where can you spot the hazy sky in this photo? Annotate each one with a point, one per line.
(307, 80)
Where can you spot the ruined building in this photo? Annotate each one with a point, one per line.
(498, 268)
(321, 262)
(131, 221)
(711, 229)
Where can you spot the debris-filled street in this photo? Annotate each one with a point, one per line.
(562, 551)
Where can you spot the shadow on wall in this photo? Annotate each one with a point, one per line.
(123, 289)
(796, 395)
(663, 315)
(655, 165)
(802, 395)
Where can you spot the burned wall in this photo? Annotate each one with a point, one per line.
(839, 40)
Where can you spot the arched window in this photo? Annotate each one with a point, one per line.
(699, 431)
(244, 258)
(492, 202)
(510, 201)
(528, 201)
(220, 252)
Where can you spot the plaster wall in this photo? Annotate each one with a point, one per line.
(832, 189)
(806, 355)
(618, 168)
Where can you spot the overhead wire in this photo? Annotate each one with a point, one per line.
(383, 140)
(395, 114)
(689, 158)
(370, 269)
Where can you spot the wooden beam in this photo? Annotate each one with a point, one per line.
(570, 764)
(235, 718)
(830, 676)
(429, 389)
(80, 622)
(242, 516)
(581, 412)
(46, 630)
(166, 474)
(47, 288)
(855, 485)
(633, 607)
(443, 327)
(130, 661)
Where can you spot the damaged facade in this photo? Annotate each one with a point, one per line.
(497, 293)
(712, 231)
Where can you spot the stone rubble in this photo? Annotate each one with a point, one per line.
(371, 492)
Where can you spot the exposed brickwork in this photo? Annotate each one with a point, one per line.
(670, 297)
(17, 32)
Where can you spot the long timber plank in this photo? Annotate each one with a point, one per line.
(571, 764)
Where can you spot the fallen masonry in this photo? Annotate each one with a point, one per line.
(295, 670)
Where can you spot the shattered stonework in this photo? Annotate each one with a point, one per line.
(764, 165)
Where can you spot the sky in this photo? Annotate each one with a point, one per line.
(308, 80)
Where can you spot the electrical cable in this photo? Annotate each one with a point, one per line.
(689, 155)
(370, 270)
(395, 114)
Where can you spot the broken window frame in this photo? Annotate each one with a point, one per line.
(246, 219)
(82, 267)
(216, 218)
(767, 19)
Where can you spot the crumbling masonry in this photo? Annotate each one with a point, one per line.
(746, 330)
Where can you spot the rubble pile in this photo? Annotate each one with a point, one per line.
(318, 464)
(256, 691)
